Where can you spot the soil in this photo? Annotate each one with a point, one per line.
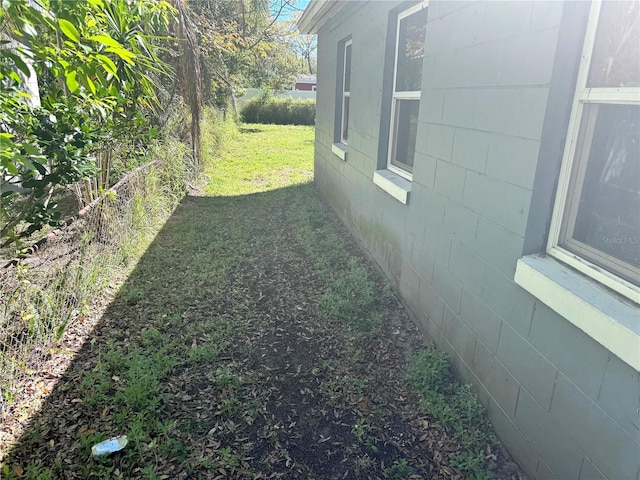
(307, 398)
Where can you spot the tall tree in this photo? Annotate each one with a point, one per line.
(241, 45)
(190, 69)
(303, 46)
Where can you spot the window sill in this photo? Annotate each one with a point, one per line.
(601, 314)
(396, 186)
(340, 150)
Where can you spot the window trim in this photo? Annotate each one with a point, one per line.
(584, 96)
(345, 94)
(405, 95)
(395, 185)
(606, 318)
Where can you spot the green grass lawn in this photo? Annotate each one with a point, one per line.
(254, 340)
(262, 158)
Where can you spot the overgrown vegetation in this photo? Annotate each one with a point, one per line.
(99, 68)
(118, 102)
(252, 340)
(251, 43)
(279, 111)
(108, 74)
(454, 407)
(42, 299)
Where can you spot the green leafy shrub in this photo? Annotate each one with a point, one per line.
(97, 65)
(279, 111)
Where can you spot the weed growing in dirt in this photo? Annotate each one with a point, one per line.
(454, 407)
(227, 458)
(225, 378)
(429, 371)
(472, 463)
(352, 298)
(399, 469)
(343, 389)
(149, 473)
(205, 353)
(360, 429)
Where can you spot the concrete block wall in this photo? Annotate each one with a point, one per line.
(564, 405)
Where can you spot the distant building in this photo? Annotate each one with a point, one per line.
(306, 82)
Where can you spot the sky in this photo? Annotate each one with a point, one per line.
(297, 6)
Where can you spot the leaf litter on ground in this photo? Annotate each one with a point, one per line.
(255, 340)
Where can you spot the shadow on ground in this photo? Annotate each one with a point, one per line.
(233, 351)
(215, 361)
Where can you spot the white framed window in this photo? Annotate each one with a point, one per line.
(407, 84)
(595, 226)
(346, 92)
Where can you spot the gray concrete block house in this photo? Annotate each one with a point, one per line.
(486, 155)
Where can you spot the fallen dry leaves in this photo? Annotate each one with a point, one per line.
(263, 385)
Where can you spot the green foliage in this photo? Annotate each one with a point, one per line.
(352, 298)
(279, 111)
(360, 429)
(96, 62)
(343, 389)
(399, 469)
(39, 303)
(131, 382)
(206, 353)
(247, 167)
(48, 146)
(429, 371)
(226, 379)
(244, 45)
(270, 65)
(217, 130)
(453, 406)
(471, 462)
(228, 458)
(351, 295)
(304, 46)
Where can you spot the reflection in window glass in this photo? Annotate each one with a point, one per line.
(411, 25)
(608, 209)
(616, 55)
(345, 118)
(404, 141)
(411, 36)
(347, 68)
(596, 223)
(345, 82)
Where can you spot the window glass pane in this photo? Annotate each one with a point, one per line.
(608, 214)
(404, 134)
(347, 68)
(411, 51)
(345, 117)
(616, 53)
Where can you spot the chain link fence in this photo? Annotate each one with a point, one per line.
(55, 285)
